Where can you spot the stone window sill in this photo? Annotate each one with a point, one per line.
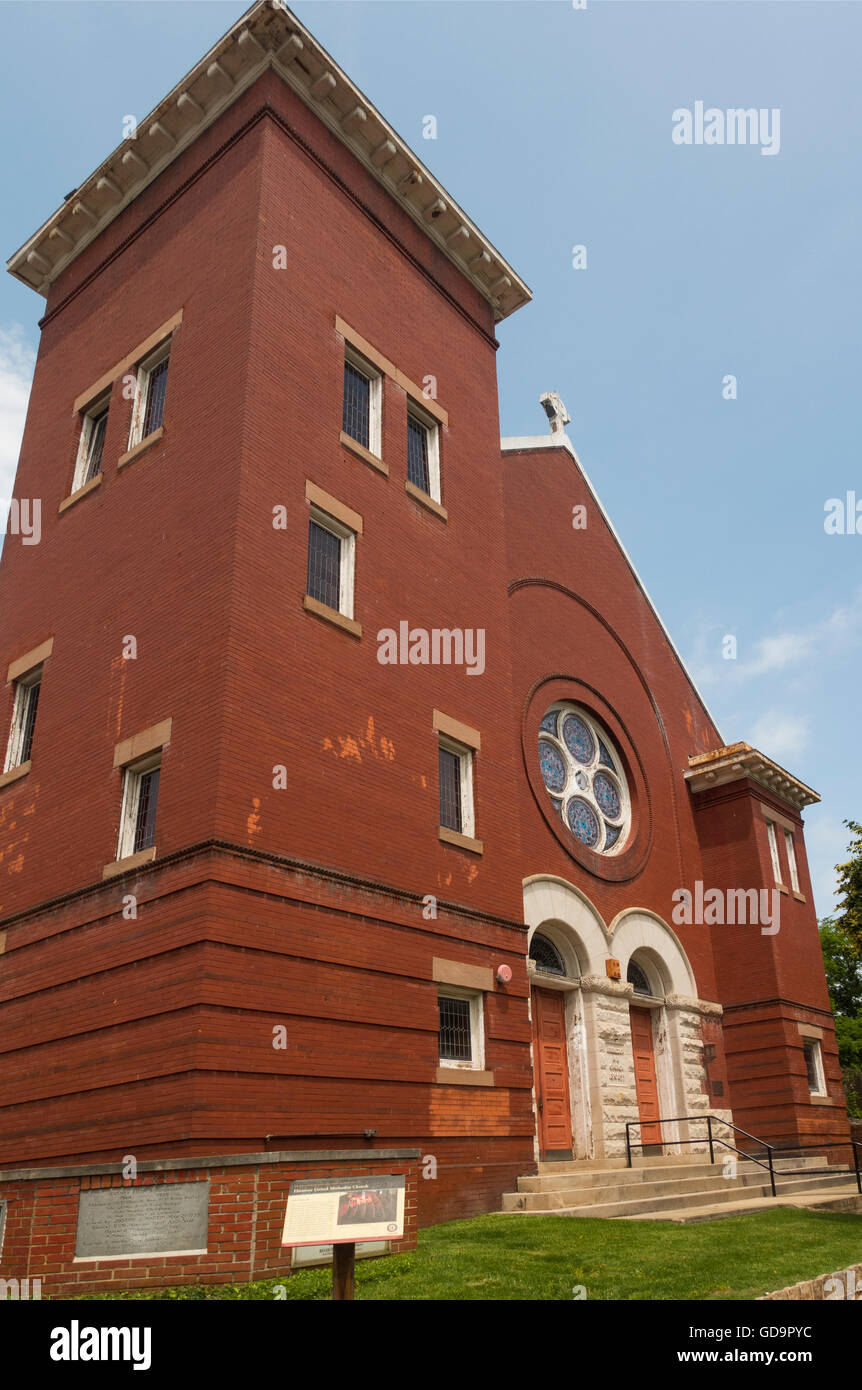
(821, 1100)
(331, 615)
(451, 837)
(14, 773)
(416, 492)
(463, 1076)
(800, 897)
(141, 448)
(365, 454)
(79, 493)
(131, 861)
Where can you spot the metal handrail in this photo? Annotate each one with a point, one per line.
(771, 1149)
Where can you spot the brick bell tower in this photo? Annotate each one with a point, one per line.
(248, 864)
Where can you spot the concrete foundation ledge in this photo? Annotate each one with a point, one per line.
(844, 1284)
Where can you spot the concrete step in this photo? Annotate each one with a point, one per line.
(545, 1193)
(578, 1178)
(845, 1198)
(656, 1198)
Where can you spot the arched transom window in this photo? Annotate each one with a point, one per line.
(546, 956)
(636, 976)
(584, 777)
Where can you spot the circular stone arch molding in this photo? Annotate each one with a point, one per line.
(638, 931)
(560, 911)
(617, 868)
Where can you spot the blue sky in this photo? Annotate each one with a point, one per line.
(554, 129)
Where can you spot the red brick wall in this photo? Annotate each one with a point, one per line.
(246, 1217)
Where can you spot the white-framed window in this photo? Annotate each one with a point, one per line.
(363, 401)
(91, 444)
(331, 562)
(773, 850)
(20, 744)
(791, 860)
(140, 803)
(814, 1066)
(456, 787)
(148, 412)
(461, 1035)
(423, 451)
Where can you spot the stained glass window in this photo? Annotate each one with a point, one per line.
(585, 778)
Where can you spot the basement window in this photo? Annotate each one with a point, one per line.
(20, 743)
(460, 1031)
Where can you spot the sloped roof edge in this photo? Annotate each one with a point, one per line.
(561, 440)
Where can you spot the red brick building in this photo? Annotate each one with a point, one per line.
(340, 729)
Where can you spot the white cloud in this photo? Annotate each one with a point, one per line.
(781, 736)
(17, 360)
(839, 631)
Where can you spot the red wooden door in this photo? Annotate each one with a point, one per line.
(645, 1079)
(551, 1071)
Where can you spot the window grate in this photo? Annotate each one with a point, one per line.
(357, 405)
(456, 1039)
(637, 977)
(324, 565)
(546, 956)
(28, 722)
(157, 385)
(417, 455)
(95, 445)
(145, 819)
(450, 790)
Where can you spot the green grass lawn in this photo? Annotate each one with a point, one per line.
(544, 1257)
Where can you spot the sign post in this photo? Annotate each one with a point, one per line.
(341, 1211)
(343, 1266)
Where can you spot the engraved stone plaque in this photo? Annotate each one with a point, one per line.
(161, 1220)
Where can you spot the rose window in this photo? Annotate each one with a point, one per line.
(584, 777)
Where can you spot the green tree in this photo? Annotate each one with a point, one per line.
(843, 963)
(850, 886)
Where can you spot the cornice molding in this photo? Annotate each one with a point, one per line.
(740, 760)
(267, 36)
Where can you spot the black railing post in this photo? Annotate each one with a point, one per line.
(628, 1146)
(771, 1170)
(709, 1132)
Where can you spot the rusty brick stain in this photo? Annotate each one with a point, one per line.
(352, 746)
(252, 824)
